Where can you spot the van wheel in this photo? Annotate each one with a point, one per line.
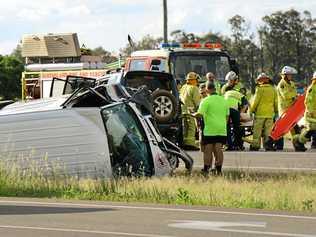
(164, 105)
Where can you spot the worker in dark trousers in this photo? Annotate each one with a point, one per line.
(214, 111)
(235, 103)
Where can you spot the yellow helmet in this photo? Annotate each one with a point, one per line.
(191, 76)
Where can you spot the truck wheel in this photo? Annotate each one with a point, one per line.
(164, 105)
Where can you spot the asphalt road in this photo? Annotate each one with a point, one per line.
(264, 161)
(37, 218)
(287, 160)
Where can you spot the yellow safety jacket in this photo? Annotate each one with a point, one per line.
(286, 94)
(217, 87)
(233, 98)
(190, 97)
(265, 102)
(310, 104)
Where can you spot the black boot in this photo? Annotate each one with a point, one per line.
(206, 169)
(269, 145)
(298, 146)
(218, 169)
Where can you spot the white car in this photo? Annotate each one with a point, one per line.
(95, 132)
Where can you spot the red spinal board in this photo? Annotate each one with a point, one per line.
(289, 118)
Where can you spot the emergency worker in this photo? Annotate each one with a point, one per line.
(199, 121)
(214, 111)
(287, 94)
(310, 117)
(231, 83)
(190, 97)
(264, 107)
(202, 89)
(235, 102)
(212, 79)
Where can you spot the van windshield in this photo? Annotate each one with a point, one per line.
(128, 144)
(202, 63)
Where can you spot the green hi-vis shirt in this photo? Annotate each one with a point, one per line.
(214, 110)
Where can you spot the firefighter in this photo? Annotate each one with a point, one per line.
(231, 83)
(235, 103)
(190, 97)
(310, 117)
(264, 107)
(287, 94)
(212, 79)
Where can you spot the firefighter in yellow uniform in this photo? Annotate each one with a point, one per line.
(264, 107)
(310, 116)
(287, 94)
(190, 97)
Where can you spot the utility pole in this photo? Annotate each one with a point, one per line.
(165, 21)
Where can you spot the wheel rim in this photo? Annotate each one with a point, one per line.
(163, 106)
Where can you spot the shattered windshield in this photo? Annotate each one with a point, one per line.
(181, 65)
(129, 148)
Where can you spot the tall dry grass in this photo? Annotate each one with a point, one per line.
(237, 189)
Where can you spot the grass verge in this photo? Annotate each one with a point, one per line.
(235, 189)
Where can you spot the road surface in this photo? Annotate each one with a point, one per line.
(264, 161)
(287, 160)
(37, 218)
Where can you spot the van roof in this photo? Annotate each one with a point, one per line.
(166, 52)
(34, 105)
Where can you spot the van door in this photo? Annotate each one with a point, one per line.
(75, 82)
(67, 86)
(57, 87)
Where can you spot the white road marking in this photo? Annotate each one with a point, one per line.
(265, 168)
(219, 226)
(80, 231)
(84, 205)
(211, 225)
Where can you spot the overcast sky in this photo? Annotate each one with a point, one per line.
(107, 22)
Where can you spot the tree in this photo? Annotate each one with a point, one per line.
(106, 56)
(289, 39)
(85, 51)
(147, 42)
(17, 53)
(11, 69)
(243, 48)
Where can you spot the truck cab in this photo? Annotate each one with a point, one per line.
(180, 59)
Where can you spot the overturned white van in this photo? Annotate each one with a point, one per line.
(95, 133)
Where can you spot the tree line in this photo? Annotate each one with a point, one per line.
(284, 38)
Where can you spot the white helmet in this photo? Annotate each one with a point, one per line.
(314, 76)
(288, 70)
(261, 76)
(231, 76)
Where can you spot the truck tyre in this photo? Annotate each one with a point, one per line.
(164, 105)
